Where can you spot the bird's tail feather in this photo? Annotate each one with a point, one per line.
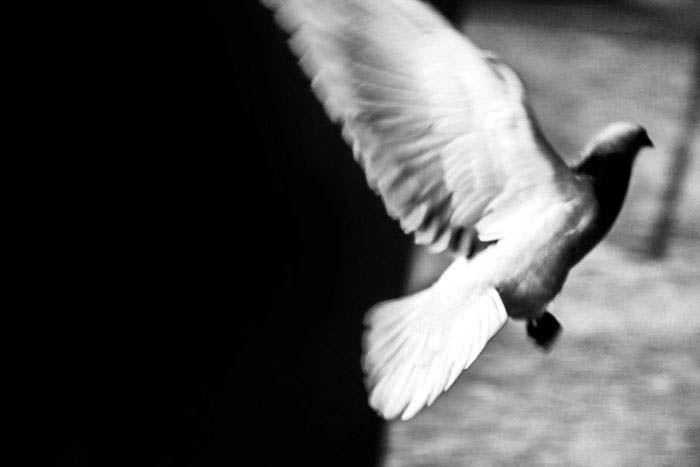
(416, 347)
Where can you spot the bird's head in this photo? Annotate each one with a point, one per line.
(620, 139)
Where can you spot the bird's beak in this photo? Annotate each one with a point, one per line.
(646, 142)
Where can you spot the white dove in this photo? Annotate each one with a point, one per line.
(443, 132)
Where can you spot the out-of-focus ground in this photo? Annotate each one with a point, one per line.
(622, 386)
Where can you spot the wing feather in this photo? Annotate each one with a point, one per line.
(440, 127)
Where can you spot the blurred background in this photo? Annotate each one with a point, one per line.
(622, 386)
(208, 263)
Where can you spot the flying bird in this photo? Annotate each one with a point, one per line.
(445, 135)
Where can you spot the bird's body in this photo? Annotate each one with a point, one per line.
(532, 268)
(540, 261)
(444, 134)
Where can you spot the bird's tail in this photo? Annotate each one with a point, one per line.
(416, 346)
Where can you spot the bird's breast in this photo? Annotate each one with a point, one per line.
(531, 266)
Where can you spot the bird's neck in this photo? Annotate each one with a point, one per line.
(609, 177)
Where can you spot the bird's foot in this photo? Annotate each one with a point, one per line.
(544, 330)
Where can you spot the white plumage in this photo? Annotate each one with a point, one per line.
(439, 126)
(444, 135)
(417, 346)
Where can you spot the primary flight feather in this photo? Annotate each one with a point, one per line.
(445, 136)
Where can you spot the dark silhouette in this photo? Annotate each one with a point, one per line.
(210, 261)
(320, 252)
(213, 274)
(454, 10)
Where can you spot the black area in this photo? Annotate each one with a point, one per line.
(452, 9)
(544, 330)
(203, 252)
(207, 260)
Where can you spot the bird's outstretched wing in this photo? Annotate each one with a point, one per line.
(440, 127)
